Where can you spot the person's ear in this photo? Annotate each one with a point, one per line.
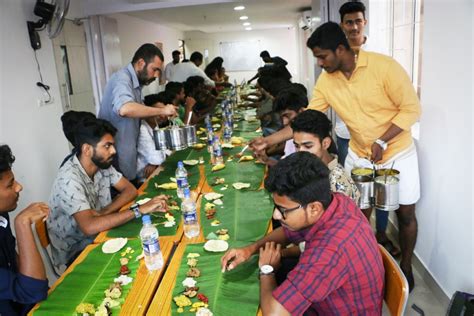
(315, 211)
(326, 143)
(141, 64)
(87, 150)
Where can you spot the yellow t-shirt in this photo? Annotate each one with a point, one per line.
(378, 94)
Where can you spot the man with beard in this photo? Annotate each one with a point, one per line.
(80, 201)
(23, 276)
(122, 104)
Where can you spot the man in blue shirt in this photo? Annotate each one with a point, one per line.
(122, 105)
(22, 275)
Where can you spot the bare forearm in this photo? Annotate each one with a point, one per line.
(392, 131)
(267, 285)
(30, 262)
(137, 110)
(121, 200)
(98, 223)
(281, 136)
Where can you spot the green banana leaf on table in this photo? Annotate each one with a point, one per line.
(246, 214)
(88, 281)
(234, 292)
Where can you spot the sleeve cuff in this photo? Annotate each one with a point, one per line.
(289, 296)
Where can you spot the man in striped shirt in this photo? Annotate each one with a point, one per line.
(341, 270)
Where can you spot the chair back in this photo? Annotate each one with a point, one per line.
(42, 233)
(396, 285)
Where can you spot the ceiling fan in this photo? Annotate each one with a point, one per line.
(52, 16)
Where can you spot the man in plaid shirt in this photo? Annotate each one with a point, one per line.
(341, 270)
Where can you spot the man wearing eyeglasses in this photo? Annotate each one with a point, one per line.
(341, 259)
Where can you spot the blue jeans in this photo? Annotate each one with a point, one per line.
(381, 220)
(342, 147)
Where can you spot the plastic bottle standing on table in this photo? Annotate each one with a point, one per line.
(190, 221)
(181, 179)
(217, 151)
(151, 245)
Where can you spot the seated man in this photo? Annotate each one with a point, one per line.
(288, 103)
(311, 133)
(80, 201)
(340, 272)
(23, 276)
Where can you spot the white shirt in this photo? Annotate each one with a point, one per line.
(169, 70)
(146, 150)
(183, 71)
(341, 128)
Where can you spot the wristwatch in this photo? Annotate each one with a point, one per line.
(266, 269)
(381, 143)
(135, 208)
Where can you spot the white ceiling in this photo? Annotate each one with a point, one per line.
(221, 17)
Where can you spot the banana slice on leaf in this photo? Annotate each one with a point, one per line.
(167, 186)
(246, 158)
(218, 167)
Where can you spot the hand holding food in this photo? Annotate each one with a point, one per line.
(156, 204)
(233, 257)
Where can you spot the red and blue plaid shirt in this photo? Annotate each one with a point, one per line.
(341, 270)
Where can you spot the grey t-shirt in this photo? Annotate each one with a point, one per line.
(123, 87)
(74, 191)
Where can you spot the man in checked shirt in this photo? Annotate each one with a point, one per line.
(341, 270)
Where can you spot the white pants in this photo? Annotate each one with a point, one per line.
(406, 162)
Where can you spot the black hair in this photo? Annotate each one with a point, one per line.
(192, 83)
(196, 56)
(351, 7)
(302, 177)
(328, 36)
(175, 52)
(315, 123)
(91, 132)
(275, 71)
(273, 85)
(6, 159)
(70, 119)
(214, 66)
(264, 53)
(290, 99)
(174, 87)
(299, 87)
(163, 97)
(147, 52)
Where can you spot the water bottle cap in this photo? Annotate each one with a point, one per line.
(146, 219)
(180, 164)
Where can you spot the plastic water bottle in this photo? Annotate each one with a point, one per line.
(190, 221)
(227, 131)
(181, 179)
(210, 137)
(151, 245)
(217, 151)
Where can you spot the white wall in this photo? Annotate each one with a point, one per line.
(281, 42)
(445, 212)
(134, 32)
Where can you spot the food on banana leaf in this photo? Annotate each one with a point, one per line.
(227, 145)
(212, 196)
(216, 125)
(193, 255)
(211, 235)
(230, 158)
(167, 186)
(203, 298)
(203, 311)
(193, 273)
(240, 185)
(222, 231)
(123, 279)
(124, 270)
(218, 167)
(108, 302)
(199, 146)
(223, 237)
(215, 222)
(209, 206)
(123, 261)
(85, 308)
(216, 245)
(192, 262)
(218, 181)
(182, 301)
(113, 293)
(189, 282)
(236, 140)
(224, 188)
(114, 245)
(191, 162)
(246, 158)
(102, 310)
(190, 293)
(218, 202)
(215, 119)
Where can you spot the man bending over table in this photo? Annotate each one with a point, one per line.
(341, 270)
(23, 276)
(80, 201)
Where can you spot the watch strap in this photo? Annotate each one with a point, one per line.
(135, 208)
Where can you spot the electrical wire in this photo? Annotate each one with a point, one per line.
(41, 78)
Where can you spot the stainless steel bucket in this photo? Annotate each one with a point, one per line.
(176, 138)
(386, 193)
(160, 139)
(364, 181)
(191, 138)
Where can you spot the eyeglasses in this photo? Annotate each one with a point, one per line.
(283, 210)
(352, 22)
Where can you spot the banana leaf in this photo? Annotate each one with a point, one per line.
(88, 281)
(132, 228)
(246, 214)
(231, 293)
(169, 172)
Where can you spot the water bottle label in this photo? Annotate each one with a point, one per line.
(218, 152)
(151, 246)
(182, 182)
(190, 217)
